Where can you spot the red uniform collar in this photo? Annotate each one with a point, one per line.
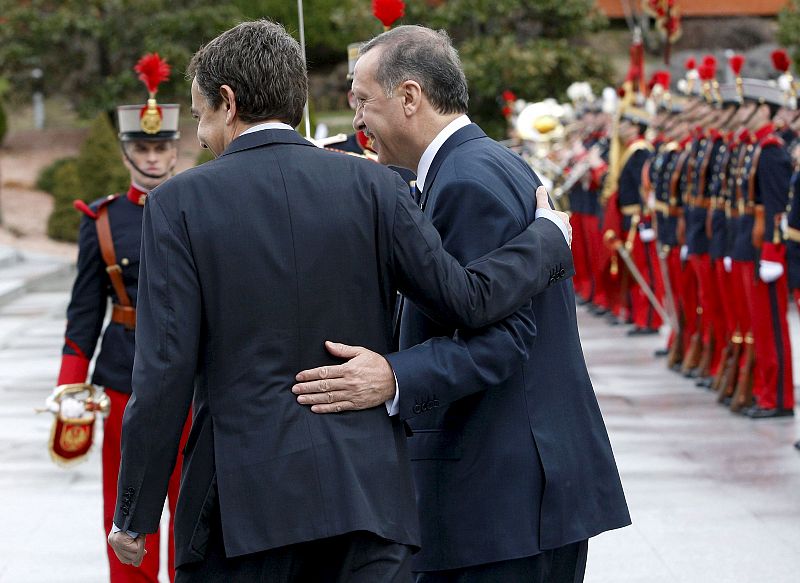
(136, 196)
(686, 141)
(764, 131)
(744, 136)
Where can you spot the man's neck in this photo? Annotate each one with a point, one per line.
(238, 127)
(428, 129)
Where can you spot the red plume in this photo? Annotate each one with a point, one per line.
(388, 11)
(710, 64)
(780, 60)
(691, 64)
(152, 71)
(662, 78)
(736, 62)
(706, 71)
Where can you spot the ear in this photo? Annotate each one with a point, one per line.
(228, 102)
(411, 95)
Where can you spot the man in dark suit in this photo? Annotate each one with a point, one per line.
(512, 462)
(248, 263)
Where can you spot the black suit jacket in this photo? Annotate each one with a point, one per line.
(249, 262)
(510, 453)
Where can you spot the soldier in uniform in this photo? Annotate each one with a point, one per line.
(108, 269)
(760, 252)
(637, 233)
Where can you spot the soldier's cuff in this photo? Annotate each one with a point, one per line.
(73, 369)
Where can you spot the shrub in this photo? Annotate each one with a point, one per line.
(64, 220)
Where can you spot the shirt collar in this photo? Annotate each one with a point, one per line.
(433, 148)
(270, 125)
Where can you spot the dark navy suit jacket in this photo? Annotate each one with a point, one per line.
(509, 451)
(249, 263)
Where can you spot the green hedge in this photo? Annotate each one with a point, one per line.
(96, 172)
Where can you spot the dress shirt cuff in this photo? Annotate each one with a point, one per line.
(550, 214)
(393, 404)
(130, 533)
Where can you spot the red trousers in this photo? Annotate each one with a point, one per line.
(772, 345)
(725, 283)
(582, 280)
(594, 240)
(112, 433)
(743, 293)
(646, 261)
(689, 303)
(709, 303)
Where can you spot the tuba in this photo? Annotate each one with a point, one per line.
(542, 133)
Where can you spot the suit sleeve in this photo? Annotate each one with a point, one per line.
(168, 322)
(471, 222)
(87, 307)
(487, 289)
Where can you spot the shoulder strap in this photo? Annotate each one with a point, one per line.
(109, 256)
(751, 187)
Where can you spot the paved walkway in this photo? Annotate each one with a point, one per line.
(715, 498)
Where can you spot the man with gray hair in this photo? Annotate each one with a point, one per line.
(512, 463)
(249, 262)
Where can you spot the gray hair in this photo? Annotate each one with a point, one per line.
(427, 57)
(263, 65)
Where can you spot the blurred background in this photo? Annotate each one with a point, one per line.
(65, 65)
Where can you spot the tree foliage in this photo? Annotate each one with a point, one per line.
(534, 49)
(87, 48)
(789, 28)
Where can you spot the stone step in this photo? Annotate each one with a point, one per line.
(24, 272)
(9, 256)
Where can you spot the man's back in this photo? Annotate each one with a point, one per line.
(275, 281)
(529, 455)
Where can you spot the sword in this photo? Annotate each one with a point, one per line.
(634, 271)
(671, 303)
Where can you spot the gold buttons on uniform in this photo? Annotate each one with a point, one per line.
(125, 261)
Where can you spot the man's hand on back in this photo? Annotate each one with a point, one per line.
(543, 202)
(366, 380)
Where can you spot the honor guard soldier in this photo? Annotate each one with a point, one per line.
(760, 250)
(108, 270)
(637, 234)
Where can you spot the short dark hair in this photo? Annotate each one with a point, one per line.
(427, 57)
(263, 65)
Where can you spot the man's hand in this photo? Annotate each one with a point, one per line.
(129, 551)
(366, 380)
(543, 202)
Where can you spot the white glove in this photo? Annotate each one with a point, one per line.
(727, 263)
(684, 252)
(72, 408)
(50, 402)
(647, 235)
(784, 224)
(769, 271)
